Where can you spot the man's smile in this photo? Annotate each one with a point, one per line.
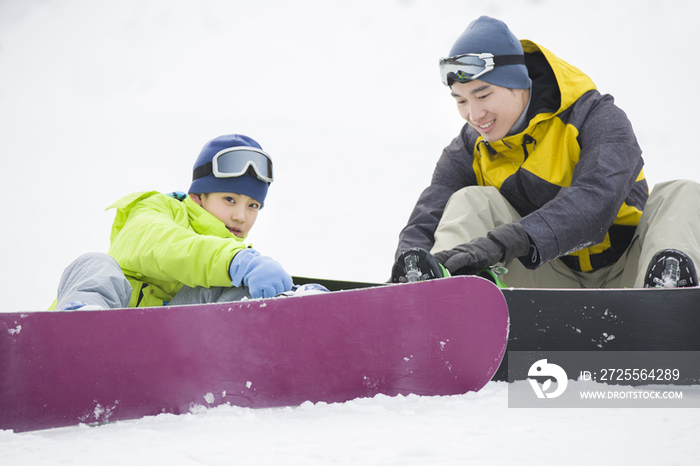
(487, 125)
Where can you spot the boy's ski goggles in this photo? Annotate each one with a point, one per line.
(235, 161)
(469, 66)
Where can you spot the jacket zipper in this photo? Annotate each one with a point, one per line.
(527, 139)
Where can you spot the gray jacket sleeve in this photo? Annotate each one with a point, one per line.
(453, 172)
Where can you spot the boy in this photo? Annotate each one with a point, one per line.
(184, 249)
(546, 178)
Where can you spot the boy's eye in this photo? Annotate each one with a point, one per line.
(231, 200)
(254, 205)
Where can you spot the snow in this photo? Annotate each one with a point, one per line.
(100, 99)
(474, 428)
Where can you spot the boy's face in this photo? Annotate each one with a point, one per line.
(491, 110)
(237, 211)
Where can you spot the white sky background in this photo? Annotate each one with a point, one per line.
(100, 99)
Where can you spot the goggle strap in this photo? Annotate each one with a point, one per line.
(202, 171)
(500, 60)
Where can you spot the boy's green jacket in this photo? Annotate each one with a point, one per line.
(162, 243)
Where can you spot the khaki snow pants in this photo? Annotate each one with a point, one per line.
(671, 220)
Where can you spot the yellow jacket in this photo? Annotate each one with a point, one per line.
(574, 173)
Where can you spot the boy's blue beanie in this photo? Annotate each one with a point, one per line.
(491, 35)
(247, 184)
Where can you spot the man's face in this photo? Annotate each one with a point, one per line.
(237, 211)
(491, 110)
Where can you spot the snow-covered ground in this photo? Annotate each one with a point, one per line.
(102, 98)
(475, 428)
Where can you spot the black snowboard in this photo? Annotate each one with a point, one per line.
(542, 320)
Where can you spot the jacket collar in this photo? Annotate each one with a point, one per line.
(204, 223)
(556, 85)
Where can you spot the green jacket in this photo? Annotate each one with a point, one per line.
(162, 243)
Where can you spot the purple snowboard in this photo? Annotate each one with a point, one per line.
(438, 337)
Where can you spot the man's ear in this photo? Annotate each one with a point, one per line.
(196, 198)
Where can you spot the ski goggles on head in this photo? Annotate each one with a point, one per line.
(235, 161)
(470, 66)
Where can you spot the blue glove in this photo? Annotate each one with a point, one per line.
(263, 276)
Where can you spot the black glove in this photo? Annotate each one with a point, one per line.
(501, 244)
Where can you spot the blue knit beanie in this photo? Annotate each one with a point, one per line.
(247, 184)
(489, 35)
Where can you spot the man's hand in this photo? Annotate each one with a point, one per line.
(469, 258)
(501, 244)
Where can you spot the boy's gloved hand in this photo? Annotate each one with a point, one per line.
(263, 276)
(501, 244)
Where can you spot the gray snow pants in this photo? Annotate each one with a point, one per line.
(96, 279)
(671, 220)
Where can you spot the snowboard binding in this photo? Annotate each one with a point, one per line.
(670, 268)
(493, 274)
(417, 265)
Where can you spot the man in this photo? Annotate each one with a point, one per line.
(546, 178)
